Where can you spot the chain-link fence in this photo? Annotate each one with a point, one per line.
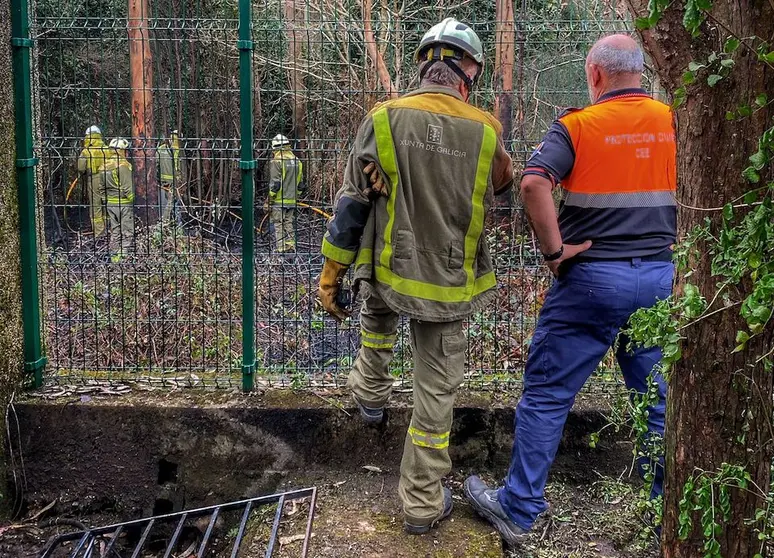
(156, 295)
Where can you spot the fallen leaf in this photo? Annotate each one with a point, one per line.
(291, 539)
(372, 468)
(365, 527)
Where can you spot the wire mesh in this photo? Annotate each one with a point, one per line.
(169, 309)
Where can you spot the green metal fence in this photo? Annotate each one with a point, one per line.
(202, 300)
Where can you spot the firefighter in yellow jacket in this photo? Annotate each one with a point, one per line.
(90, 160)
(285, 184)
(170, 175)
(119, 195)
(420, 251)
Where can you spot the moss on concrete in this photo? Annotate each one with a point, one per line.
(10, 275)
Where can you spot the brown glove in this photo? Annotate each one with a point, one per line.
(378, 186)
(330, 282)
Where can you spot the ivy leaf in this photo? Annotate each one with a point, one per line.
(728, 212)
(713, 80)
(732, 43)
(693, 17)
(741, 339)
(679, 97)
(643, 23)
(750, 197)
(744, 110)
(689, 78)
(769, 57)
(758, 160)
(751, 175)
(695, 66)
(727, 62)
(761, 99)
(730, 115)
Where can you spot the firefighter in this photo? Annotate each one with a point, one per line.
(90, 160)
(119, 195)
(420, 251)
(170, 176)
(611, 249)
(285, 184)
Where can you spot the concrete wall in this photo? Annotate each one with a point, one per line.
(10, 277)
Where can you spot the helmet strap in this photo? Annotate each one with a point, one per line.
(438, 54)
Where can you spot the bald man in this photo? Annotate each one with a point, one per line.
(610, 250)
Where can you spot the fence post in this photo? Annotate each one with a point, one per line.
(247, 165)
(34, 361)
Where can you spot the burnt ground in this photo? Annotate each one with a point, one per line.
(358, 516)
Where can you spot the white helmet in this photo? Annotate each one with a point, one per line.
(450, 41)
(278, 141)
(119, 143)
(93, 131)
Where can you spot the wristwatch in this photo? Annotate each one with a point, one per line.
(555, 256)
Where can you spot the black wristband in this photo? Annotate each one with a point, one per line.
(555, 256)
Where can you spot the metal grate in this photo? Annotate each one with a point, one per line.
(163, 535)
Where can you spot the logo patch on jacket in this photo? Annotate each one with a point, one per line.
(434, 134)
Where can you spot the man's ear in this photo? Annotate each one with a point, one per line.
(595, 74)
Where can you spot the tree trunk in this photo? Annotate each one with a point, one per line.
(141, 79)
(503, 80)
(370, 42)
(720, 402)
(296, 75)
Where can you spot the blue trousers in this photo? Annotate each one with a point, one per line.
(583, 313)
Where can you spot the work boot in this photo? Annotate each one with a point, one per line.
(371, 415)
(485, 503)
(448, 505)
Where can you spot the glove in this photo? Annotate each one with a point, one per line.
(331, 277)
(378, 186)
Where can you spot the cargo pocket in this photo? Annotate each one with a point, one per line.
(539, 360)
(453, 346)
(456, 255)
(404, 245)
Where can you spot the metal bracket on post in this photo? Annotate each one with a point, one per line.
(26, 163)
(248, 165)
(21, 42)
(245, 45)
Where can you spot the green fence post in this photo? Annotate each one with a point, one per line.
(247, 165)
(34, 361)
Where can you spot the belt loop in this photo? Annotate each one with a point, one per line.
(636, 262)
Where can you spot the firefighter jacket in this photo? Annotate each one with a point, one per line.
(92, 157)
(117, 173)
(285, 175)
(168, 159)
(423, 247)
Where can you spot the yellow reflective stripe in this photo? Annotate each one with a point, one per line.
(476, 226)
(428, 440)
(169, 177)
(377, 340)
(337, 254)
(120, 200)
(364, 257)
(385, 149)
(437, 293)
(380, 336)
(372, 345)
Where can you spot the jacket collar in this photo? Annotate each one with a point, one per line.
(630, 92)
(436, 89)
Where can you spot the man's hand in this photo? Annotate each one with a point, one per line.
(330, 282)
(378, 186)
(570, 251)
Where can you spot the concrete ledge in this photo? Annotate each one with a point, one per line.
(148, 453)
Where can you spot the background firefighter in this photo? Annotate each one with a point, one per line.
(285, 184)
(90, 160)
(420, 251)
(170, 176)
(119, 195)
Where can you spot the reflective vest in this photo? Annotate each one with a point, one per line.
(92, 156)
(285, 174)
(620, 193)
(119, 188)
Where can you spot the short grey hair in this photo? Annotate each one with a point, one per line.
(614, 60)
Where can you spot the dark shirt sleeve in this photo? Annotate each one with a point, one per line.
(554, 157)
